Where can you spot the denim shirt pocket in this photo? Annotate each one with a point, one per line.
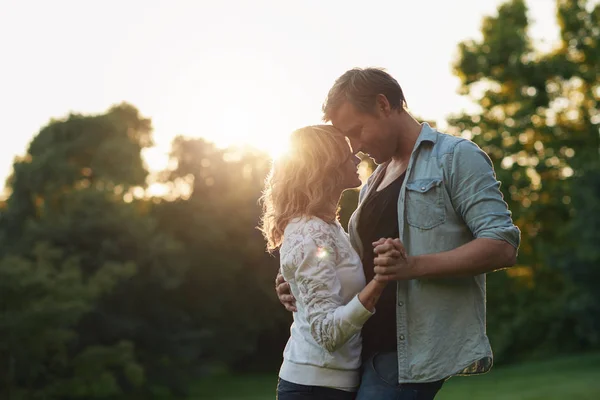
(425, 203)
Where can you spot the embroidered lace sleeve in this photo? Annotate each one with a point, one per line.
(311, 258)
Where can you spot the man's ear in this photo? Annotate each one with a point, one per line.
(382, 105)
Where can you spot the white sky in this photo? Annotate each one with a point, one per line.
(231, 71)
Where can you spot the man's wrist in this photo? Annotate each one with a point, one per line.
(416, 267)
(379, 283)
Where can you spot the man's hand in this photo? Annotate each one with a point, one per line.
(284, 293)
(391, 262)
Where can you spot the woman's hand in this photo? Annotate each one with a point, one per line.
(390, 260)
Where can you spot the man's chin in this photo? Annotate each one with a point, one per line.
(380, 159)
(377, 160)
(372, 157)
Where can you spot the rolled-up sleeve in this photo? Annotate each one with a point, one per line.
(476, 195)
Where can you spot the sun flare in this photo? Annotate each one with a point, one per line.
(277, 148)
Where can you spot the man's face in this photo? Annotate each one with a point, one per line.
(368, 133)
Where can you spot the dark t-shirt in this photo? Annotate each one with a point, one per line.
(379, 219)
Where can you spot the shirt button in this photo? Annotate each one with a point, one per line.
(400, 303)
(422, 187)
(401, 337)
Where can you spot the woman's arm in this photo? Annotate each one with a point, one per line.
(332, 323)
(370, 295)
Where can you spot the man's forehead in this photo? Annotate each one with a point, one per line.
(345, 118)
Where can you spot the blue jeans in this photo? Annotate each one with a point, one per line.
(293, 391)
(380, 381)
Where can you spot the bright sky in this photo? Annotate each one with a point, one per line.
(230, 71)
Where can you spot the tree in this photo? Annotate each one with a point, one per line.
(73, 191)
(537, 112)
(102, 152)
(42, 301)
(229, 285)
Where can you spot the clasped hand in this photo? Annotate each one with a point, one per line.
(389, 261)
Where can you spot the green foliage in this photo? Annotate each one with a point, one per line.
(41, 301)
(538, 121)
(94, 373)
(107, 293)
(101, 152)
(229, 285)
(69, 192)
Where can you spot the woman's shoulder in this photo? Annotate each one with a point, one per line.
(309, 224)
(309, 230)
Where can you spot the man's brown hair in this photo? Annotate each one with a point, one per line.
(360, 87)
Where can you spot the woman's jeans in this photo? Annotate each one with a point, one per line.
(380, 381)
(293, 391)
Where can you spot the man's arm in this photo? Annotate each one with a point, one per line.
(476, 196)
(476, 257)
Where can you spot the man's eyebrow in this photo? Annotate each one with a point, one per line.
(352, 129)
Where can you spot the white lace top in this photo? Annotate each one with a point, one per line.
(325, 276)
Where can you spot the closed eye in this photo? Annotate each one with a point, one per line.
(355, 132)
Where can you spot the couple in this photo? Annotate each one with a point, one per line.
(396, 307)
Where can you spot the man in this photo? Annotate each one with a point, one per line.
(439, 196)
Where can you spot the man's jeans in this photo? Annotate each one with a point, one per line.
(293, 391)
(380, 381)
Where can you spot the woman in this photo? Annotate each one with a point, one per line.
(322, 357)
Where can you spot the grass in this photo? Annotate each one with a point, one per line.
(574, 377)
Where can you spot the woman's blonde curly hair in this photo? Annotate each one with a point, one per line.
(302, 180)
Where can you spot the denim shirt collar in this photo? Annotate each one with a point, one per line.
(427, 134)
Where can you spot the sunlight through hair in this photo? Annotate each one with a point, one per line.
(279, 148)
(305, 170)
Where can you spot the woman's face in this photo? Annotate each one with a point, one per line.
(349, 170)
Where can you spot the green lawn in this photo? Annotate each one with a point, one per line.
(573, 377)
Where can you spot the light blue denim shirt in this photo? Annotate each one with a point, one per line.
(450, 196)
